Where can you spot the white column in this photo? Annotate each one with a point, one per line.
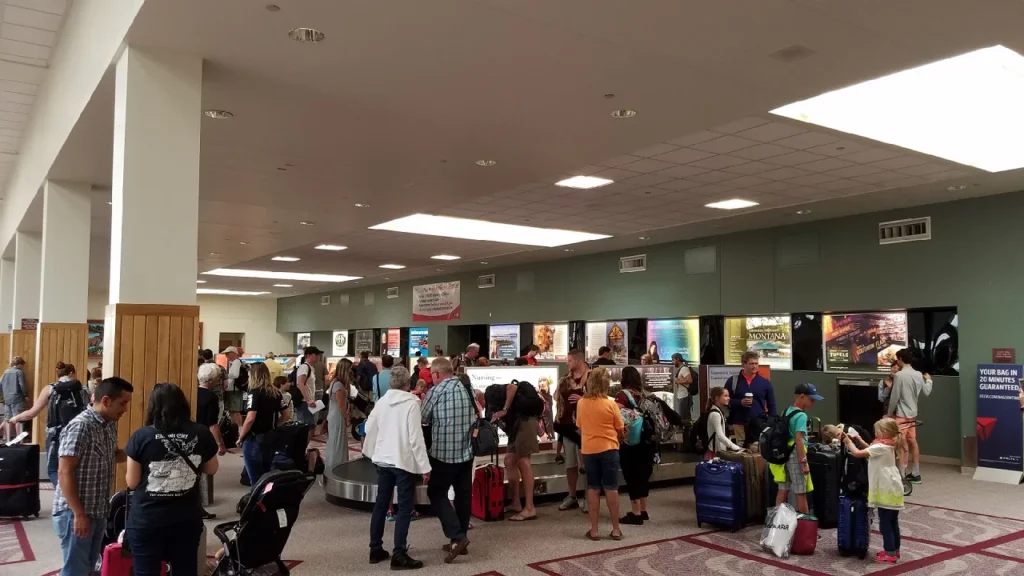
(27, 256)
(155, 212)
(6, 295)
(64, 278)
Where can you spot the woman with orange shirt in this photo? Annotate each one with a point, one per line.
(600, 424)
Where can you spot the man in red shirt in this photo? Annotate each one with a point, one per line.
(531, 354)
(423, 372)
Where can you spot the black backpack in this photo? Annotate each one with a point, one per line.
(774, 440)
(67, 400)
(699, 433)
(242, 382)
(528, 402)
(494, 399)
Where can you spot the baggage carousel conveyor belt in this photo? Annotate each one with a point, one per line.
(354, 484)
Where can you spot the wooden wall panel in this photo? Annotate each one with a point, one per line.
(55, 342)
(23, 343)
(5, 348)
(146, 345)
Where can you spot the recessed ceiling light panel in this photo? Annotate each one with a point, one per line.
(307, 35)
(623, 113)
(307, 223)
(734, 204)
(331, 247)
(965, 109)
(275, 275)
(282, 285)
(466, 229)
(229, 292)
(200, 281)
(361, 205)
(803, 212)
(486, 163)
(583, 182)
(446, 257)
(218, 114)
(392, 266)
(285, 259)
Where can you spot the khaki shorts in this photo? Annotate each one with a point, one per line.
(526, 438)
(572, 454)
(233, 400)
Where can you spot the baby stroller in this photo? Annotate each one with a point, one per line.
(259, 536)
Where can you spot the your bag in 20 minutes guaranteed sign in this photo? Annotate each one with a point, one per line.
(999, 427)
(437, 302)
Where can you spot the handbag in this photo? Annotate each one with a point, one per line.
(483, 433)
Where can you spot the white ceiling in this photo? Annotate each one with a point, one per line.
(28, 33)
(397, 104)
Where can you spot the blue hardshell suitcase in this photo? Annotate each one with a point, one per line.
(720, 492)
(854, 527)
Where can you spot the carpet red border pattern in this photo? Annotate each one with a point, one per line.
(26, 548)
(950, 552)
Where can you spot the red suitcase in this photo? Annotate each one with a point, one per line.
(489, 493)
(117, 561)
(805, 538)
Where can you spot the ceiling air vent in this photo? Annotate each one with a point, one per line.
(392, 292)
(325, 300)
(636, 263)
(908, 230)
(485, 281)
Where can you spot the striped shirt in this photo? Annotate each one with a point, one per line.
(93, 441)
(450, 411)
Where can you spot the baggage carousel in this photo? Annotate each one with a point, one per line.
(354, 484)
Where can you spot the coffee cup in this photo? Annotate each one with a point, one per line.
(749, 395)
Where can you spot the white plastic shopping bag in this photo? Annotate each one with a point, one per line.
(779, 527)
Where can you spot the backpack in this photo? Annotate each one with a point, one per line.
(774, 440)
(494, 399)
(242, 382)
(648, 429)
(66, 401)
(655, 408)
(293, 377)
(528, 403)
(699, 433)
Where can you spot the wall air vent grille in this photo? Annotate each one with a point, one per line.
(485, 281)
(636, 263)
(393, 292)
(909, 230)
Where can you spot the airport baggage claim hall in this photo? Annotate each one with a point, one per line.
(817, 203)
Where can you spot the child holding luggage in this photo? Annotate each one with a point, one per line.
(885, 484)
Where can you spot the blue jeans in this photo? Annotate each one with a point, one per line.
(602, 470)
(80, 555)
(387, 479)
(253, 458)
(52, 460)
(889, 526)
(176, 544)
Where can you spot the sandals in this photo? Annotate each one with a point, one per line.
(591, 537)
(615, 537)
(520, 518)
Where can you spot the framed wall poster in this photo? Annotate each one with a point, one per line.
(864, 341)
(339, 343)
(553, 341)
(504, 341)
(94, 330)
(364, 341)
(302, 340)
(419, 341)
(613, 334)
(770, 336)
(394, 339)
(678, 335)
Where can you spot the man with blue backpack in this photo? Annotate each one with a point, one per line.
(783, 445)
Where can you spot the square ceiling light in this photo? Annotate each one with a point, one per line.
(734, 204)
(966, 109)
(275, 275)
(583, 182)
(285, 259)
(218, 292)
(331, 247)
(448, 257)
(466, 229)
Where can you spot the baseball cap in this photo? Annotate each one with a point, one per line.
(678, 356)
(312, 350)
(230, 350)
(808, 389)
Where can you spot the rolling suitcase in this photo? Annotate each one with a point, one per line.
(117, 561)
(753, 472)
(826, 472)
(854, 527)
(19, 480)
(720, 491)
(489, 493)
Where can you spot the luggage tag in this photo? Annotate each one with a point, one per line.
(17, 439)
(282, 519)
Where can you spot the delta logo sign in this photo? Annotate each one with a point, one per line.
(984, 427)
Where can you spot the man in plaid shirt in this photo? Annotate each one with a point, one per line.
(88, 451)
(450, 411)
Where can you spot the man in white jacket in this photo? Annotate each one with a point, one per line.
(394, 442)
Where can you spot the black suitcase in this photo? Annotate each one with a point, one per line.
(826, 472)
(19, 480)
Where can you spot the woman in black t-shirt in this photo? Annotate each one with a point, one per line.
(165, 460)
(262, 408)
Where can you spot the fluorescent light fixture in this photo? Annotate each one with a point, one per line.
(229, 292)
(285, 259)
(466, 229)
(282, 285)
(331, 247)
(734, 204)
(274, 275)
(583, 182)
(965, 109)
(392, 266)
(445, 257)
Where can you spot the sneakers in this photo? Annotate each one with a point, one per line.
(884, 557)
(644, 516)
(403, 561)
(914, 479)
(632, 520)
(568, 504)
(377, 556)
(559, 459)
(583, 506)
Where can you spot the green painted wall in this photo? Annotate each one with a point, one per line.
(974, 261)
